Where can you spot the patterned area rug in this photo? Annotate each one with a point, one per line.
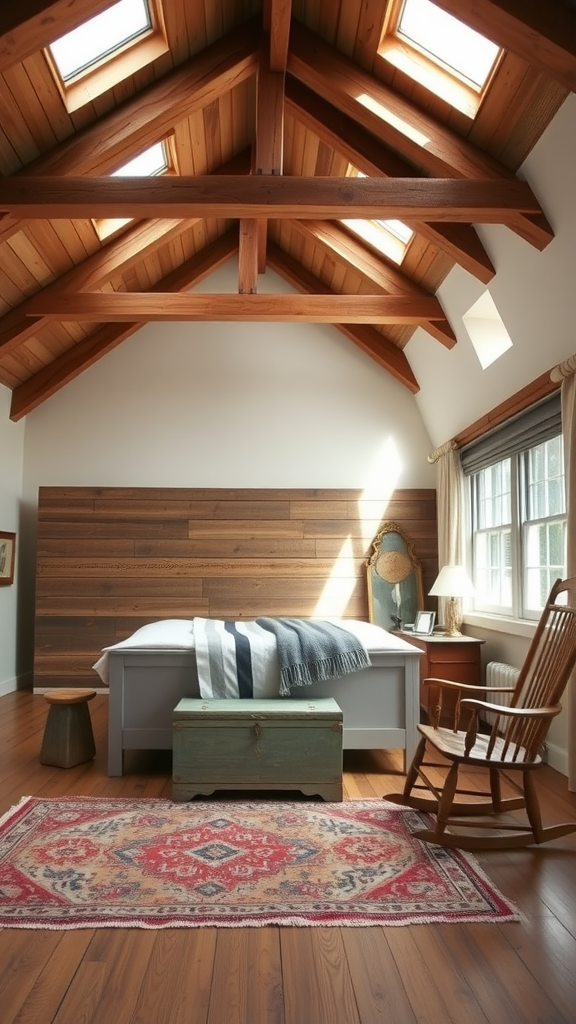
(79, 862)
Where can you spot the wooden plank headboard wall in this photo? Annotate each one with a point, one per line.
(111, 559)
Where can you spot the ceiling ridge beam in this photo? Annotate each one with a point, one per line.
(487, 201)
(411, 132)
(46, 382)
(543, 34)
(370, 156)
(150, 115)
(392, 281)
(376, 345)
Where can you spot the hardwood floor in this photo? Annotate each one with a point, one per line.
(521, 973)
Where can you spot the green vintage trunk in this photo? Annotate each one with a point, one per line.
(283, 744)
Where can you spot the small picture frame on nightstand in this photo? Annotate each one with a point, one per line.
(424, 623)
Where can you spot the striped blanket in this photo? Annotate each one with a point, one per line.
(239, 659)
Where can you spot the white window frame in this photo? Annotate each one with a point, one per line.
(519, 524)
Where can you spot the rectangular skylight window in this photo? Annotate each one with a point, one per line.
(152, 161)
(445, 39)
(148, 163)
(100, 37)
(390, 237)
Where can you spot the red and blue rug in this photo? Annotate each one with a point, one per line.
(80, 862)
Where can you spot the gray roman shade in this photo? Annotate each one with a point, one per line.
(538, 423)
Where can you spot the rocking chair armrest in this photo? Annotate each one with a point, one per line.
(450, 684)
(502, 709)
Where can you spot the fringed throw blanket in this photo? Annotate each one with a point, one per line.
(311, 651)
(238, 659)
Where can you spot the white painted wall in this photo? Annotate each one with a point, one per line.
(533, 292)
(11, 463)
(226, 405)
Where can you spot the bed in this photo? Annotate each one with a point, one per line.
(152, 670)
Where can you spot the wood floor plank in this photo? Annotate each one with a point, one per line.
(459, 974)
(378, 987)
(317, 984)
(44, 999)
(176, 986)
(247, 980)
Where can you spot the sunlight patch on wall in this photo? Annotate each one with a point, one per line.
(339, 586)
(486, 330)
(382, 478)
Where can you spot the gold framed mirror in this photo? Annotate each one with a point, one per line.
(394, 574)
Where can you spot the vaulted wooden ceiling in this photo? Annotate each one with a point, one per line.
(267, 104)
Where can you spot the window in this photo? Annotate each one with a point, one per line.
(155, 160)
(104, 50)
(390, 237)
(518, 513)
(440, 52)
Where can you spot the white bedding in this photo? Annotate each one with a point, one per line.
(178, 634)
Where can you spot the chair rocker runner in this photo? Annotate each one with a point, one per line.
(512, 747)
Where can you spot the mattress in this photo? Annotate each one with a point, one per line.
(178, 635)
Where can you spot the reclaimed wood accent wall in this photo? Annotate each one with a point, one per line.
(111, 559)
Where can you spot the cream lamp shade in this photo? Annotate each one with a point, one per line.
(452, 583)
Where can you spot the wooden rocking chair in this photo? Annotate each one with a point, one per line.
(512, 746)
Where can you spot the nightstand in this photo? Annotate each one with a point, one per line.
(447, 657)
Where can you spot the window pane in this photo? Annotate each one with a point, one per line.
(448, 40)
(100, 36)
(545, 560)
(545, 469)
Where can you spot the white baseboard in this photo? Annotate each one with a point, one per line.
(23, 682)
(557, 758)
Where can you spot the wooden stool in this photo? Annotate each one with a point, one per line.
(68, 737)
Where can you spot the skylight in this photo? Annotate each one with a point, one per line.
(152, 161)
(446, 39)
(100, 37)
(390, 237)
(441, 53)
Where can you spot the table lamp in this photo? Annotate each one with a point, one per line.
(452, 583)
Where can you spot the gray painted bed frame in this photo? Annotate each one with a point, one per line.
(380, 703)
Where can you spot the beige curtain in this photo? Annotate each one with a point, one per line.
(451, 509)
(566, 373)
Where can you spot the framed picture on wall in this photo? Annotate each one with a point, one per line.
(7, 552)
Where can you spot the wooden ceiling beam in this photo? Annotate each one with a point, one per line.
(543, 34)
(30, 25)
(71, 364)
(277, 15)
(460, 242)
(380, 348)
(379, 275)
(94, 307)
(268, 148)
(150, 116)
(415, 135)
(116, 257)
(248, 241)
(269, 144)
(483, 201)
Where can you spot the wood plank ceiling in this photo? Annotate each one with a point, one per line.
(292, 91)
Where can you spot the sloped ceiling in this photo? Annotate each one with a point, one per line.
(266, 104)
